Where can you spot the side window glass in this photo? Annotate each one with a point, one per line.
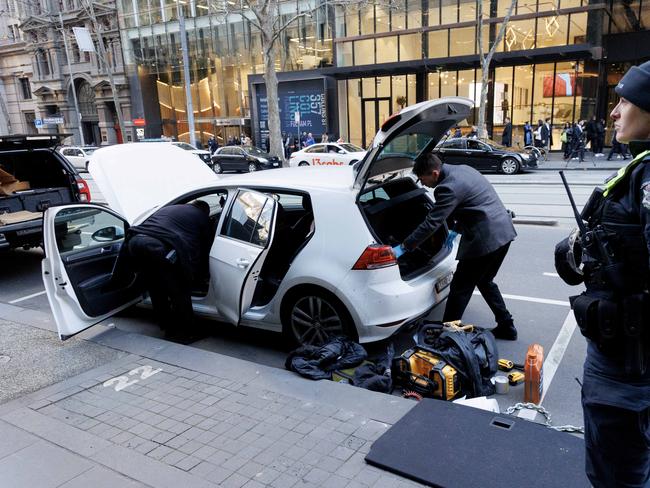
(454, 144)
(379, 193)
(67, 152)
(471, 144)
(244, 214)
(77, 229)
(263, 225)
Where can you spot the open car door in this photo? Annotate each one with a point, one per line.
(82, 244)
(239, 250)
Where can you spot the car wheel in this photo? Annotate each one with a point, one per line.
(252, 167)
(303, 163)
(353, 162)
(87, 163)
(217, 168)
(509, 166)
(313, 316)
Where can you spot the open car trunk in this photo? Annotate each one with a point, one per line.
(393, 210)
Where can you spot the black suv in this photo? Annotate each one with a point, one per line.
(33, 177)
(243, 158)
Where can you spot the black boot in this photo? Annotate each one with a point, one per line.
(507, 332)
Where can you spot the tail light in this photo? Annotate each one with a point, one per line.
(84, 191)
(375, 257)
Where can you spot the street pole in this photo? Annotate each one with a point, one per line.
(74, 91)
(186, 74)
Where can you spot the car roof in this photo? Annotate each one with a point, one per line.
(337, 178)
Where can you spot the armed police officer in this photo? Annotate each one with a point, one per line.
(465, 196)
(613, 312)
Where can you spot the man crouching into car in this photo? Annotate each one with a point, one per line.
(465, 196)
(170, 250)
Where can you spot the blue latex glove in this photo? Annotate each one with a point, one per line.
(449, 243)
(399, 250)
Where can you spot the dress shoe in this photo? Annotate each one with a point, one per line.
(505, 332)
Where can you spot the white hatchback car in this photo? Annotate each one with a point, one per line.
(306, 252)
(327, 154)
(79, 156)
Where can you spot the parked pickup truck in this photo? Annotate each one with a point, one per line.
(33, 177)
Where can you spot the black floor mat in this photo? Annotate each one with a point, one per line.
(447, 445)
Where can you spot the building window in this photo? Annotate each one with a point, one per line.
(29, 122)
(42, 63)
(25, 88)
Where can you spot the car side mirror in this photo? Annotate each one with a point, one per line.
(108, 234)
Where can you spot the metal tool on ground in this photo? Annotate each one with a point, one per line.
(508, 365)
(516, 378)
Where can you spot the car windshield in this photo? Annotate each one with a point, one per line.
(184, 145)
(90, 150)
(351, 148)
(255, 151)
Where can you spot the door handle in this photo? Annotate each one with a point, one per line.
(243, 263)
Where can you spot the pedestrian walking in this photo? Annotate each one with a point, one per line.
(506, 135)
(170, 251)
(548, 144)
(540, 138)
(213, 145)
(591, 132)
(600, 136)
(528, 134)
(614, 311)
(564, 139)
(309, 141)
(324, 138)
(465, 196)
(617, 148)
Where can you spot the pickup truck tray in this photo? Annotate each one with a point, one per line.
(41, 199)
(16, 217)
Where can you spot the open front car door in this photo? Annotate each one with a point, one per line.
(82, 278)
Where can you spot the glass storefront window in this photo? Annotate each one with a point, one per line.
(570, 3)
(383, 86)
(344, 54)
(410, 47)
(466, 87)
(530, 6)
(448, 84)
(449, 13)
(578, 28)
(351, 22)
(433, 80)
(520, 35)
(368, 87)
(547, 85)
(522, 95)
(399, 91)
(552, 31)
(467, 11)
(434, 12)
(461, 41)
(382, 19)
(398, 18)
(438, 44)
(364, 52)
(368, 20)
(386, 49)
(502, 97)
(354, 111)
(414, 13)
(410, 89)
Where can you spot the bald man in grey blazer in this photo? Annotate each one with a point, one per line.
(466, 197)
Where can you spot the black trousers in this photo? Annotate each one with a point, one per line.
(478, 272)
(617, 443)
(168, 288)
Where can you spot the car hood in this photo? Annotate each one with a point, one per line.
(135, 178)
(433, 118)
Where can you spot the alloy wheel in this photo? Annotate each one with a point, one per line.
(217, 168)
(252, 167)
(314, 320)
(509, 166)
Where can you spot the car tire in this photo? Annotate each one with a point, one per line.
(217, 168)
(252, 167)
(353, 162)
(509, 166)
(87, 163)
(303, 163)
(304, 311)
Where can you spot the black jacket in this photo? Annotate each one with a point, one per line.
(506, 136)
(184, 228)
(466, 196)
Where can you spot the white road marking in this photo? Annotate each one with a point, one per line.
(21, 299)
(545, 301)
(554, 358)
(553, 275)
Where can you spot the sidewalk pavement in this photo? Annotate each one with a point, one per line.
(167, 415)
(556, 162)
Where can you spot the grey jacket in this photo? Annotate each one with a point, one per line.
(466, 196)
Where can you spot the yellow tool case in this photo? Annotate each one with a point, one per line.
(427, 374)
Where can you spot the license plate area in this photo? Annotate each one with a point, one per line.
(444, 282)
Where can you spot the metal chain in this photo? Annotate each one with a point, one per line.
(547, 417)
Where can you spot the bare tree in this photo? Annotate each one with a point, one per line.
(88, 7)
(486, 59)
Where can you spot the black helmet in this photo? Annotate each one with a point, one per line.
(568, 259)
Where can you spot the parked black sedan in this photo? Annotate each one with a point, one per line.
(484, 155)
(243, 158)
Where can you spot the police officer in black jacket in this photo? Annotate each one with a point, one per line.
(465, 196)
(614, 311)
(170, 250)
